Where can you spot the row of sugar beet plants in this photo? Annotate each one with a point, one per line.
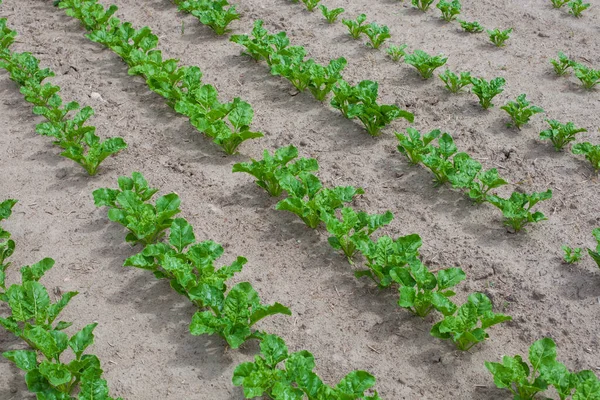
(189, 266)
(78, 140)
(216, 14)
(289, 62)
(463, 172)
(228, 124)
(390, 262)
(33, 318)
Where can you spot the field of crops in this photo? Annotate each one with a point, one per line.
(393, 213)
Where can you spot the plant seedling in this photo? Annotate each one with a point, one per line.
(463, 327)
(572, 255)
(562, 64)
(438, 158)
(353, 228)
(424, 63)
(331, 15)
(499, 37)
(486, 91)
(595, 254)
(471, 27)
(422, 5)
(422, 291)
(215, 15)
(484, 183)
(311, 4)
(129, 206)
(454, 83)
(322, 79)
(355, 27)
(377, 34)
(559, 3)
(386, 254)
(560, 134)
(591, 152)
(520, 111)
(413, 147)
(276, 373)
(270, 169)
(589, 77)
(449, 9)
(517, 208)
(396, 52)
(577, 7)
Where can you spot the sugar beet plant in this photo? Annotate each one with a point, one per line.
(227, 124)
(33, 318)
(422, 5)
(591, 153)
(486, 91)
(331, 15)
(216, 14)
(425, 63)
(560, 134)
(450, 9)
(190, 268)
(454, 83)
(526, 380)
(499, 37)
(520, 111)
(388, 261)
(66, 123)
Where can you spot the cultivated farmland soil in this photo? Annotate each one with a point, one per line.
(143, 338)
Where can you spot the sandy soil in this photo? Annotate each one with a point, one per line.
(143, 336)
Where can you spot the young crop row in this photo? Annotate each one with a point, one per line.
(78, 140)
(390, 262)
(33, 318)
(189, 266)
(228, 124)
(288, 61)
(216, 14)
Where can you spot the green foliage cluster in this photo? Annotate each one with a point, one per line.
(289, 62)
(425, 63)
(463, 172)
(560, 134)
(487, 90)
(66, 123)
(520, 111)
(450, 9)
(33, 318)
(331, 15)
(471, 27)
(589, 77)
(389, 262)
(576, 7)
(376, 33)
(190, 268)
(525, 380)
(499, 37)
(227, 124)
(454, 83)
(216, 14)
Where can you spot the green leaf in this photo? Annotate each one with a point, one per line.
(56, 374)
(182, 234)
(82, 339)
(23, 359)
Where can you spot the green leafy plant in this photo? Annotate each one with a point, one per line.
(560, 134)
(233, 316)
(215, 14)
(454, 83)
(309, 200)
(486, 91)
(437, 159)
(322, 79)
(463, 327)
(424, 63)
(331, 15)
(562, 64)
(270, 169)
(129, 206)
(377, 34)
(517, 208)
(595, 253)
(521, 111)
(280, 375)
(558, 3)
(78, 141)
(7, 246)
(572, 255)
(413, 146)
(353, 228)
(422, 5)
(526, 380)
(484, 183)
(591, 152)
(355, 27)
(450, 9)
(385, 254)
(311, 4)
(589, 77)
(360, 102)
(471, 27)
(396, 52)
(422, 291)
(577, 7)
(499, 37)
